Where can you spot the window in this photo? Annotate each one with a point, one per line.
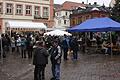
(79, 20)
(19, 9)
(45, 12)
(1, 8)
(73, 21)
(9, 8)
(46, 24)
(59, 22)
(65, 22)
(57, 14)
(28, 10)
(103, 15)
(37, 10)
(87, 17)
(66, 13)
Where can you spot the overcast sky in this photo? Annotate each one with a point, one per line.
(106, 2)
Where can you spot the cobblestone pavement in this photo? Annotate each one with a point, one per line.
(87, 67)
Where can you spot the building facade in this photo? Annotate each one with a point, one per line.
(112, 3)
(26, 10)
(62, 13)
(91, 11)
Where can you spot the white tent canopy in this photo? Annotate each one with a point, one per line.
(57, 33)
(21, 24)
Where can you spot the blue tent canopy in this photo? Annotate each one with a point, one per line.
(97, 25)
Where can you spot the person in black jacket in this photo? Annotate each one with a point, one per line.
(55, 60)
(40, 60)
(75, 47)
(3, 45)
(65, 47)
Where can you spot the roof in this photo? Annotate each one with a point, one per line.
(68, 5)
(91, 8)
(29, 24)
(56, 6)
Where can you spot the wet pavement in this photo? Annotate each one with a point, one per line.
(87, 67)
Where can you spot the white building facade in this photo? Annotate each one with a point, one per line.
(62, 14)
(26, 10)
(62, 18)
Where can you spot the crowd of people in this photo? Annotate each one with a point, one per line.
(38, 48)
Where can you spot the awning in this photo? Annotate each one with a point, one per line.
(21, 24)
(97, 25)
(57, 33)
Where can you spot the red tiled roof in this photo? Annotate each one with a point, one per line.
(70, 5)
(57, 6)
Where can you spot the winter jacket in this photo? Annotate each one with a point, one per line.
(40, 56)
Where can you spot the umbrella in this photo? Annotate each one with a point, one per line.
(57, 33)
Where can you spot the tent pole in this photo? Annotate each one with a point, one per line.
(10, 39)
(10, 32)
(85, 41)
(1, 50)
(111, 43)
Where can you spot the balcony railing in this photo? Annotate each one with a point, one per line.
(39, 17)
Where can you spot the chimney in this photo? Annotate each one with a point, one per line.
(82, 2)
(95, 3)
(89, 3)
